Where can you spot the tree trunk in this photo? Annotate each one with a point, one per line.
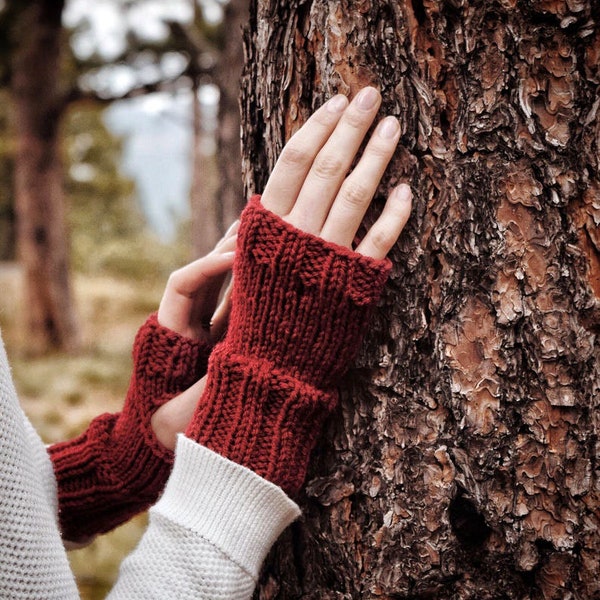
(203, 192)
(463, 460)
(217, 188)
(41, 231)
(228, 70)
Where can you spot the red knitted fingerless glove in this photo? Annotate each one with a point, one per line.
(117, 467)
(299, 309)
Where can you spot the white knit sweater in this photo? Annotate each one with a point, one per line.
(207, 536)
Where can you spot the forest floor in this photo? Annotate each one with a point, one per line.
(61, 393)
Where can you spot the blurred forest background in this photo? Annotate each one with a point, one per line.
(465, 454)
(113, 119)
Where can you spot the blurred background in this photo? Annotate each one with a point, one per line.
(119, 161)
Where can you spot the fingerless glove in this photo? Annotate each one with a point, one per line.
(117, 468)
(300, 306)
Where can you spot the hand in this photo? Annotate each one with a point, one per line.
(301, 297)
(190, 304)
(309, 187)
(189, 308)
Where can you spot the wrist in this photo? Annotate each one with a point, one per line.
(173, 417)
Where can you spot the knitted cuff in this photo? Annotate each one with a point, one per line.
(260, 417)
(299, 302)
(165, 362)
(102, 481)
(299, 308)
(117, 467)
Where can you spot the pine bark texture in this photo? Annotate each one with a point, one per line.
(463, 462)
(39, 198)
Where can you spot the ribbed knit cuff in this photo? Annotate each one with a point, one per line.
(117, 467)
(239, 512)
(299, 309)
(101, 483)
(259, 416)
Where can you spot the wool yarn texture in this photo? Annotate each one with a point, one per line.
(300, 306)
(117, 468)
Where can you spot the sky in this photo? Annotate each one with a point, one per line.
(156, 129)
(109, 23)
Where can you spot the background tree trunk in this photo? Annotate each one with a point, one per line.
(228, 71)
(205, 228)
(463, 461)
(39, 199)
(217, 188)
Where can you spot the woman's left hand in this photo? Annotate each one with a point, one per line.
(190, 304)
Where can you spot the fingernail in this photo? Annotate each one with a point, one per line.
(402, 192)
(337, 103)
(233, 227)
(388, 128)
(367, 98)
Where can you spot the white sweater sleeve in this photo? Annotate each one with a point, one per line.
(207, 537)
(208, 534)
(33, 562)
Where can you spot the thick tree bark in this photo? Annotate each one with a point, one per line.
(39, 199)
(463, 460)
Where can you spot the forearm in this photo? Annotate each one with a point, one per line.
(208, 534)
(118, 466)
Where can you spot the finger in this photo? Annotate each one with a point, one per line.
(220, 318)
(228, 243)
(207, 296)
(229, 234)
(183, 287)
(331, 165)
(204, 305)
(357, 191)
(384, 233)
(296, 158)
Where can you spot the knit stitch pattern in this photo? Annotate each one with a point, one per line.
(299, 310)
(117, 468)
(33, 562)
(212, 529)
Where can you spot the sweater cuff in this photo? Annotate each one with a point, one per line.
(232, 507)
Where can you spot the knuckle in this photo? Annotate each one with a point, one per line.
(327, 166)
(382, 240)
(356, 119)
(176, 279)
(355, 193)
(294, 154)
(380, 150)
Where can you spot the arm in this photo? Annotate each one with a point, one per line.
(118, 466)
(300, 301)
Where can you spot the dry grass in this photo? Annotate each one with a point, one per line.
(62, 393)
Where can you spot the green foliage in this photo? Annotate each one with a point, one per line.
(108, 231)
